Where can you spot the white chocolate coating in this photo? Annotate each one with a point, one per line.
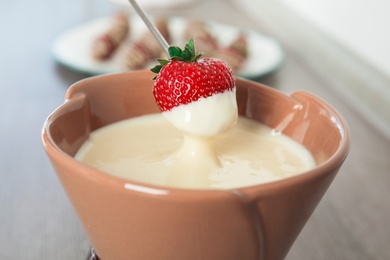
(207, 117)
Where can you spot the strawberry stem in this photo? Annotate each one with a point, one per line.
(177, 54)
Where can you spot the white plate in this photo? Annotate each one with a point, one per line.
(72, 48)
(153, 4)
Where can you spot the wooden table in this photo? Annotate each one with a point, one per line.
(36, 218)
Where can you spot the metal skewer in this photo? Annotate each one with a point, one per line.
(156, 33)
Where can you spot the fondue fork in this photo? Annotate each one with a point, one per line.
(153, 29)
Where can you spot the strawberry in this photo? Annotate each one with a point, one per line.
(186, 77)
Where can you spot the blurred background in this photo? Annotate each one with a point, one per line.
(337, 50)
(344, 41)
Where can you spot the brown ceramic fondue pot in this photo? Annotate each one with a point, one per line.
(127, 220)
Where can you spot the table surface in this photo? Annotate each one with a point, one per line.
(36, 218)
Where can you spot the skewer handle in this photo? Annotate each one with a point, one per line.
(156, 33)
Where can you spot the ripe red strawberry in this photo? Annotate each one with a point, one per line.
(186, 78)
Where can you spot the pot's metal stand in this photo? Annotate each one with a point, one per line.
(92, 255)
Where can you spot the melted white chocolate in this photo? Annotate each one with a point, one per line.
(148, 149)
(213, 116)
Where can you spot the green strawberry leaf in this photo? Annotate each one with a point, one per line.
(186, 55)
(174, 51)
(176, 58)
(197, 57)
(163, 62)
(190, 46)
(156, 69)
(191, 43)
